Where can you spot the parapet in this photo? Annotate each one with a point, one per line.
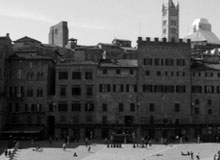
(163, 40)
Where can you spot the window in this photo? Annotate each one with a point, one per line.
(62, 107)
(157, 61)
(104, 119)
(118, 88)
(164, 22)
(209, 111)
(30, 92)
(16, 107)
(151, 107)
(39, 92)
(147, 73)
(39, 107)
(209, 102)
(89, 106)
(132, 107)
(173, 30)
(164, 31)
(131, 71)
(104, 107)
(208, 74)
(104, 88)
(147, 88)
(52, 107)
(131, 88)
(62, 91)
(168, 88)
(209, 89)
(196, 101)
(121, 107)
(196, 89)
(76, 75)
(63, 75)
(118, 71)
(218, 74)
(76, 106)
(88, 75)
(89, 90)
(196, 110)
(19, 74)
(76, 90)
(180, 89)
(158, 73)
(177, 107)
(147, 61)
(158, 88)
(218, 89)
(169, 62)
(173, 22)
(104, 71)
(180, 62)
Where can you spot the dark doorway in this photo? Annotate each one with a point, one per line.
(51, 125)
(128, 120)
(105, 133)
(89, 133)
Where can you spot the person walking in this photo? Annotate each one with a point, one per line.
(89, 148)
(86, 141)
(198, 156)
(64, 146)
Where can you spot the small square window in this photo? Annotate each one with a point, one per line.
(118, 71)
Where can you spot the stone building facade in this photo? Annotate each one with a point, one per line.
(164, 85)
(205, 74)
(5, 51)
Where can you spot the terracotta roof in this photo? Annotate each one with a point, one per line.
(27, 39)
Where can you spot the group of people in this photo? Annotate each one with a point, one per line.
(217, 156)
(191, 154)
(12, 148)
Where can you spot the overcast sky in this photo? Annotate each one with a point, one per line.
(94, 21)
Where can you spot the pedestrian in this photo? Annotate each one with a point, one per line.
(6, 152)
(64, 146)
(215, 157)
(32, 142)
(106, 140)
(75, 155)
(191, 155)
(197, 156)
(89, 148)
(50, 140)
(150, 143)
(56, 137)
(86, 141)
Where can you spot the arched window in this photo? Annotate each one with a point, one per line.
(42, 76)
(38, 76)
(32, 76)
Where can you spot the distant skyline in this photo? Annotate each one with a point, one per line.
(94, 21)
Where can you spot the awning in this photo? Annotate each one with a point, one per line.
(30, 130)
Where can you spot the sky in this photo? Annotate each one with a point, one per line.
(95, 21)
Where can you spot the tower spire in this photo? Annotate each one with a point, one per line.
(170, 21)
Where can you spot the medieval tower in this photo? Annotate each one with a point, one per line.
(59, 34)
(170, 21)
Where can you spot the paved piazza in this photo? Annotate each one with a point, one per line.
(127, 152)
